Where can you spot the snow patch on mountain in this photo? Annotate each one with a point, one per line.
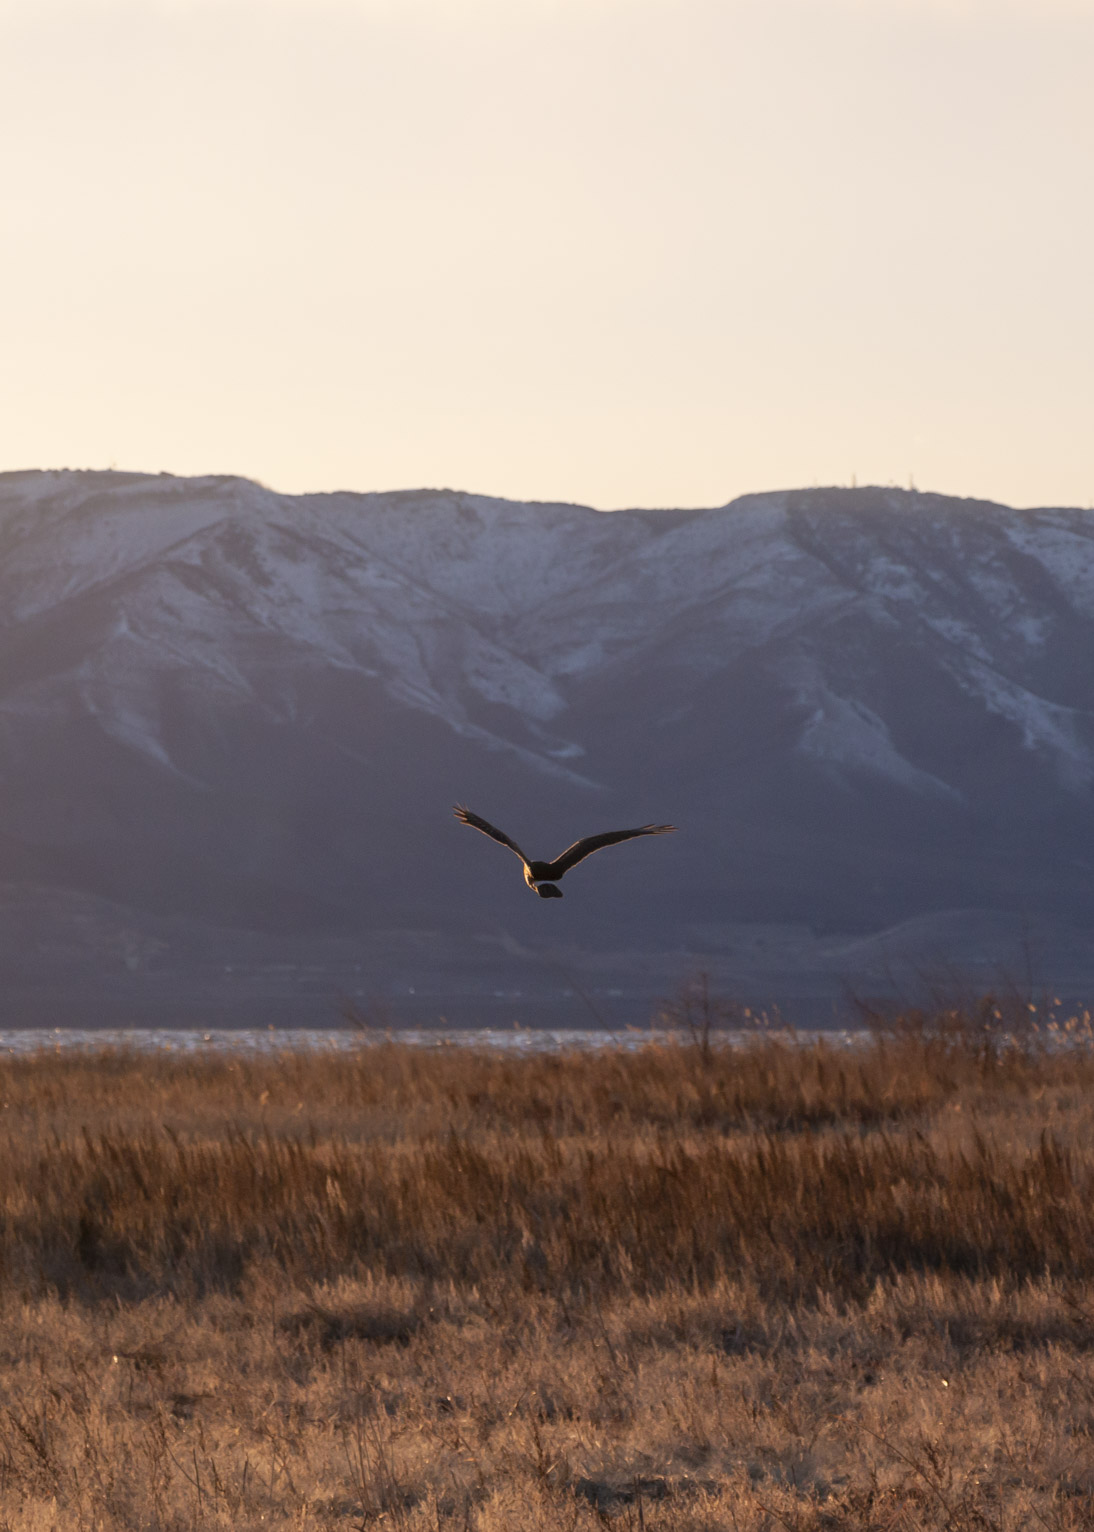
(1044, 726)
(843, 732)
(1063, 544)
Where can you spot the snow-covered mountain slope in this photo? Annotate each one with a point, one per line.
(862, 706)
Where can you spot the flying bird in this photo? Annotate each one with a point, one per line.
(543, 876)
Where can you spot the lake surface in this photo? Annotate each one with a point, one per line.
(274, 1040)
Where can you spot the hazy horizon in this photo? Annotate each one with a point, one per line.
(614, 253)
(383, 490)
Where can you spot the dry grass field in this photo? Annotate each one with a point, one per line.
(681, 1288)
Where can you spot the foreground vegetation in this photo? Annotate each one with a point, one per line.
(680, 1288)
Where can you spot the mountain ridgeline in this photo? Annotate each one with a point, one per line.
(233, 724)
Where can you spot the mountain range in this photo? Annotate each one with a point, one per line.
(233, 724)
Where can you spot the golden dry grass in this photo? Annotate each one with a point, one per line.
(681, 1288)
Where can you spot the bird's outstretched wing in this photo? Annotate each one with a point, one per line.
(466, 817)
(583, 848)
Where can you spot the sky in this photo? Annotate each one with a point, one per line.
(620, 252)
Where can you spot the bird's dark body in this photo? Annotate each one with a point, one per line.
(538, 872)
(542, 877)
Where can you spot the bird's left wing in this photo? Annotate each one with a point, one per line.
(466, 817)
(583, 848)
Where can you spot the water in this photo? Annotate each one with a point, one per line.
(273, 1040)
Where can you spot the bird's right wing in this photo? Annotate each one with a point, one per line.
(466, 817)
(583, 848)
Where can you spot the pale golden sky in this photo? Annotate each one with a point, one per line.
(655, 252)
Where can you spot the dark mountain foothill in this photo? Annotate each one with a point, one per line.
(232, 724)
